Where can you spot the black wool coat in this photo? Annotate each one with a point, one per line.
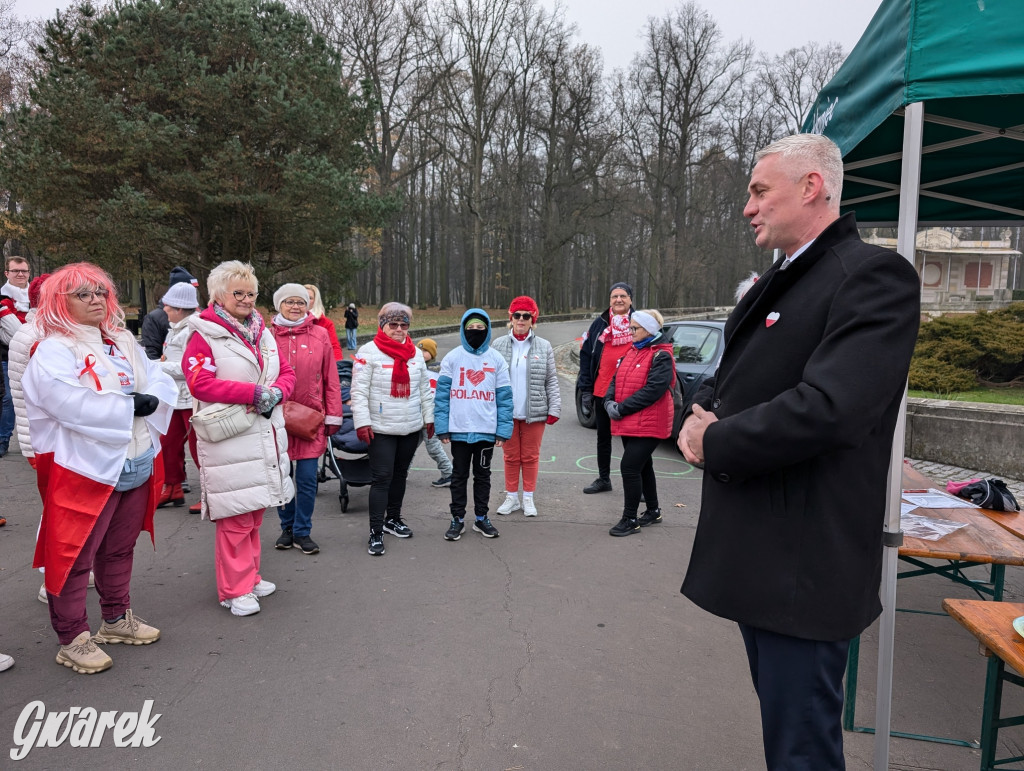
(807, 395)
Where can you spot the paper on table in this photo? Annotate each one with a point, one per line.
(928, 528)
(936, 499)
(906, 508)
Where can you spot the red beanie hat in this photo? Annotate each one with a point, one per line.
(34, 288)
(524, 303)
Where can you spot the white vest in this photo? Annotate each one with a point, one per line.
(248, 472)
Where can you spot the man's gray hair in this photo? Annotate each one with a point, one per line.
(221, 277)
(811, 152)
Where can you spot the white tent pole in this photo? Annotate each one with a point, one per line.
(910, 183)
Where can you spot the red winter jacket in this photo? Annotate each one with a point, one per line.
(633, 374)
(328, 326)
(307, 349)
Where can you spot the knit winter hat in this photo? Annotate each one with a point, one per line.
(622, 285)
(180, 275)
(476, 316)
(34, 288)
(429, 345)
(290, 290)
(394, 312)
(524, 303)
(181, 295)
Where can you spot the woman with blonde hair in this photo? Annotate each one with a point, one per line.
(316, 307)
(96, 407)
(232, 358)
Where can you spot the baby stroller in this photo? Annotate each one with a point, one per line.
(339, 460)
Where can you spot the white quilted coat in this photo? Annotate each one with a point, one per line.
(17, 360)
(248, 472)
(372, 402)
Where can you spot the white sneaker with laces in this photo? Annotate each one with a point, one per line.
(510, 504)
(529, 509)
(245, 605)
(42, 595)
(6, 662)
(263, 588)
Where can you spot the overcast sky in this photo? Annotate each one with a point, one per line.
(613, 25)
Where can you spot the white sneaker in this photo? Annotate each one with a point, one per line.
(42, 595)
(245, 605)
(511, 503)
(529, 509)
(6, 662)
(263, 588)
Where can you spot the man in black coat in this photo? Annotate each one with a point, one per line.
(155, 325)
(795, 433)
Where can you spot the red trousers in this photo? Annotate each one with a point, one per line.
(236, 554)
(109, 552)
(522, 453)
(172, 447)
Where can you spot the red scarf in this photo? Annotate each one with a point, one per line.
(400, 354)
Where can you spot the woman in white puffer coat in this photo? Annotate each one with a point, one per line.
(391, 402)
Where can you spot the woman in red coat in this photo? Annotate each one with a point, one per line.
(639, 403)
(306, 347)
(316, 309)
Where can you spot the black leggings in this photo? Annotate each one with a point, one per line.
(479, 454)
(604, 438)
(390, 458)
(637, 469)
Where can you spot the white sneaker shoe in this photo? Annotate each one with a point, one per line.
(263, 588)
(245, 605)
(42, 595)
(6, 662)
(529, 509)
(511, 504)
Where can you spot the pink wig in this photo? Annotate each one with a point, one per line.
(54, 313)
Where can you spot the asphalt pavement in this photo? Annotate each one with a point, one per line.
(554, 646)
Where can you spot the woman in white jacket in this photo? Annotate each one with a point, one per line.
(536, 402)
(391, 402)
(180, 302)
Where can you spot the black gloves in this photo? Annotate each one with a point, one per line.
(144, 404)
(586, 403)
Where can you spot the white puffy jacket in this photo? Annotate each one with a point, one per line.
(17, 361)
(174, 346)
(372, 402)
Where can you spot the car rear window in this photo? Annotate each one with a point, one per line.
(695, 345)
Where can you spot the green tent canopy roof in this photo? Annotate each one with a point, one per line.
(964, 60)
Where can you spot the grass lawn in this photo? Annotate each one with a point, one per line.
(985, 395)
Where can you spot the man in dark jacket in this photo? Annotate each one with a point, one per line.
(604, 343)
(795, 432)
(155, 325)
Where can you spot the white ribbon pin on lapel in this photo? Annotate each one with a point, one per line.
(771, 318)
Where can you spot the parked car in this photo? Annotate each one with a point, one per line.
(697, 347)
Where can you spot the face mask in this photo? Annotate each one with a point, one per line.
(475, 337)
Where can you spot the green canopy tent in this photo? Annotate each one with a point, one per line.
(928, 111)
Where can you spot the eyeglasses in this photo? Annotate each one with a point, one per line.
(239, 296)
(634, 330)
(397, 325)
(522, 316)
(19, 272)
(294, 303)
(86, 297)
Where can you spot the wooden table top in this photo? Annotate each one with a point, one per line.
(984, 540)
(1010, 520)
(992, 624)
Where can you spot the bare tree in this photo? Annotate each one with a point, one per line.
(794, 78)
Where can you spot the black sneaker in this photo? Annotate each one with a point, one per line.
(625, 526)
(397, 527)
(455, 531)
(186, 487)
(650, 517)
(442, 482)
(307, 544)
(285, 541)
(485, 528)
(376, 544)
(599, 485)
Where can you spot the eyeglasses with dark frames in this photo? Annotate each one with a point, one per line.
(86, 297)
(522, 316)
(240, 295)
(636, 329)
(397, 325)
(294, 303)
(18, 271)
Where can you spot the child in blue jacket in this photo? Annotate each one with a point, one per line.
(473, 411)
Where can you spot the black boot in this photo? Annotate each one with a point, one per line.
(599, 485)
(628, 525)
(650, 517)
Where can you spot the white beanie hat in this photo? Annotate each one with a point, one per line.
(181, 295)
(647, 321)
(290, 290)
